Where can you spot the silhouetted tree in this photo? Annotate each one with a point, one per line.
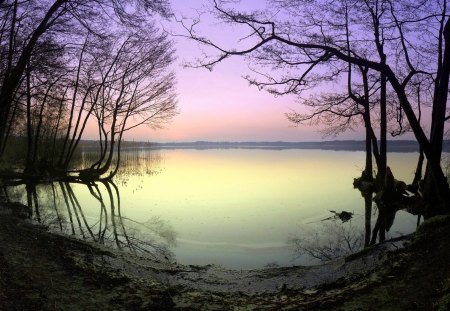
(310, 37)
(51, 76)
(136, 89)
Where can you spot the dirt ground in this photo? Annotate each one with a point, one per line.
(44, 271)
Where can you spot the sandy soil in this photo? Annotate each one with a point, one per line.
(44, 271)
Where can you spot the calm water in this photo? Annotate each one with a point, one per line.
(234, 207)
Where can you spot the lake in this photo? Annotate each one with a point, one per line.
(238, 208)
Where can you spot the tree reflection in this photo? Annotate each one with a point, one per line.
(330, 240)
(135, 162)
(60, 207)
(367, 216)
(336, 238)
(394, 196)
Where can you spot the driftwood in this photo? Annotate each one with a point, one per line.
(343, 216)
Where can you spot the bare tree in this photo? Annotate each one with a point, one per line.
(77, 60)
(25, 24)
(45, 81)
(137, 89)
(310, 40)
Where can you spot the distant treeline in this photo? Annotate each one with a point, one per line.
(337, 145)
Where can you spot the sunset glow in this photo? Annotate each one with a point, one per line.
(220, 105)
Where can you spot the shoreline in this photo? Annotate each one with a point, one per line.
(42, 269)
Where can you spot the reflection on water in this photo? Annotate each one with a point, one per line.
(234, 207)
(64, 207)
(134, 162)
(329, 240)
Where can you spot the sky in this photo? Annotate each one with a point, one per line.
(220, 105)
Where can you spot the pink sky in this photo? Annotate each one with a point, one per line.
(221, 105)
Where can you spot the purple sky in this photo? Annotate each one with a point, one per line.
(221, 105)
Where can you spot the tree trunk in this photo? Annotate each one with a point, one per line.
(419, 168)
(367, 216)
(436, 175)
(383, 128)
(13, 80)
(437, 193)
(368, 125)
(29, 164)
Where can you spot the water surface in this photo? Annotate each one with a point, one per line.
(237, 207)
(232, 207)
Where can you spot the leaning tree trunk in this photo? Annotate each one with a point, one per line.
(437, 193)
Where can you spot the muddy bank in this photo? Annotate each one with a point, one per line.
(40, 270)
